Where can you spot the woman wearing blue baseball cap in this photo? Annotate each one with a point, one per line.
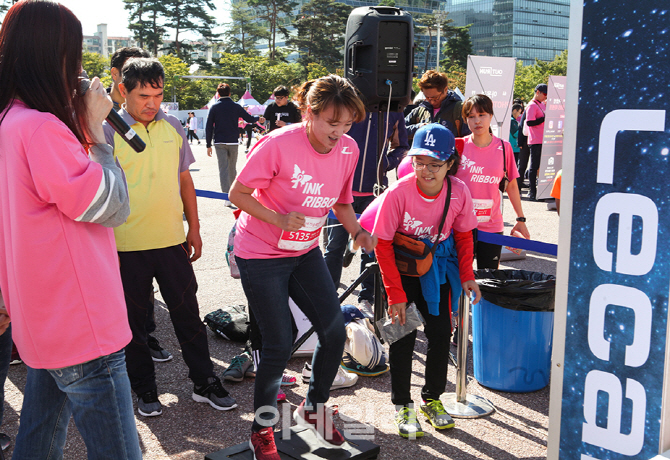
(426, 206)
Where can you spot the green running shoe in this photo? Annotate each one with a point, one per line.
(436, 415)
(408, 425)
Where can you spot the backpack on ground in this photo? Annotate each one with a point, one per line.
(231, 323)
(363, 345)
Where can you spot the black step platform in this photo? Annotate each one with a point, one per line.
(302, 444)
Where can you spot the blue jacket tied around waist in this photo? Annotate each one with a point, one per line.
(445, 266)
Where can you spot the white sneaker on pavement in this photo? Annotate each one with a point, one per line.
(343, 379)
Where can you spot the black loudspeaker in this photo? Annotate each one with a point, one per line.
(380, 49)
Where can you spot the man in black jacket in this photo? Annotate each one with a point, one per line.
(222, 127)
(282, 112)
(441, 106)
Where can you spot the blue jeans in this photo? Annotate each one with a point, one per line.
(96, 393)
(5, 358)
(337, 243)
(268, 283)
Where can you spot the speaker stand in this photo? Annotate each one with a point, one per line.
(302, 444)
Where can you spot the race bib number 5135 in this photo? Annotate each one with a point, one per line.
(304, 238)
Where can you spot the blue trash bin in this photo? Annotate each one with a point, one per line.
(512, 329)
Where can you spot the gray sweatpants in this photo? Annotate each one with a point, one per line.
(227, 156)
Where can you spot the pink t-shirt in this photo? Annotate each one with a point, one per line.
(289, 175)
(534, 111)
(404, 210)
(482, 170)
(60, 278)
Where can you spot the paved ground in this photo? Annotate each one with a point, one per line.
(188, 430)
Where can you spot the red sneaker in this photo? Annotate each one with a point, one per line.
(321, 424)
(263, 446)
(281, 396)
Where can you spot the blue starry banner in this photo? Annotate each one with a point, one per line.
(619, 266)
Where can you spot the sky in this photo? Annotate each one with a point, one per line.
(116, 17)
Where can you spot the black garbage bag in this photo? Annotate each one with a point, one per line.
(520, 290)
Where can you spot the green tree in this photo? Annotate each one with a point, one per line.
(197, 93)
(174, 87)
(275, 14)
(145, 22)
(189, 16)
(263, 73)
(315, 71)
(320, 30)
(458, 47)
(387, 3)
(189, 93)
(527, 77)
(426, 24)
(244, 30)
(94, 64)
(456, 75)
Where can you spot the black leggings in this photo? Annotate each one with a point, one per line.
(487, 254)
(522, 163)
(438, 333)
(192, 134)
(248, 130)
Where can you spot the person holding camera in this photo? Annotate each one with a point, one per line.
(425, 208)
(59, 273)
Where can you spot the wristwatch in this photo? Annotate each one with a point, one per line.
(521, 219)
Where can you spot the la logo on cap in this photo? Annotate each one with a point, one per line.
(430, 140)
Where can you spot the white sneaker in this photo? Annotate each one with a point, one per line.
(226, 203)
(306, 372)
(367, 308)
(343, 379)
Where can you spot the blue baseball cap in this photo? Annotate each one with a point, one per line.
(433, 140)
(351, 313)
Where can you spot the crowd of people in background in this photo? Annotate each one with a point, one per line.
(73, 179)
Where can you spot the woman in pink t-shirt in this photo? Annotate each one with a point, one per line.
(414, 207)
(485, 161)
(291, 180)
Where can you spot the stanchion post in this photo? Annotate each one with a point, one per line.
(462, 340)
(461, 404)
(380, 305)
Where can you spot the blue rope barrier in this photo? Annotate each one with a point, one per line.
(519, 243)
(486, 237)
(208, 194)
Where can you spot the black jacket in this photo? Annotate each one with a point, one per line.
(222, 121)
(366, 173)
(448, 116)
(288, 113)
